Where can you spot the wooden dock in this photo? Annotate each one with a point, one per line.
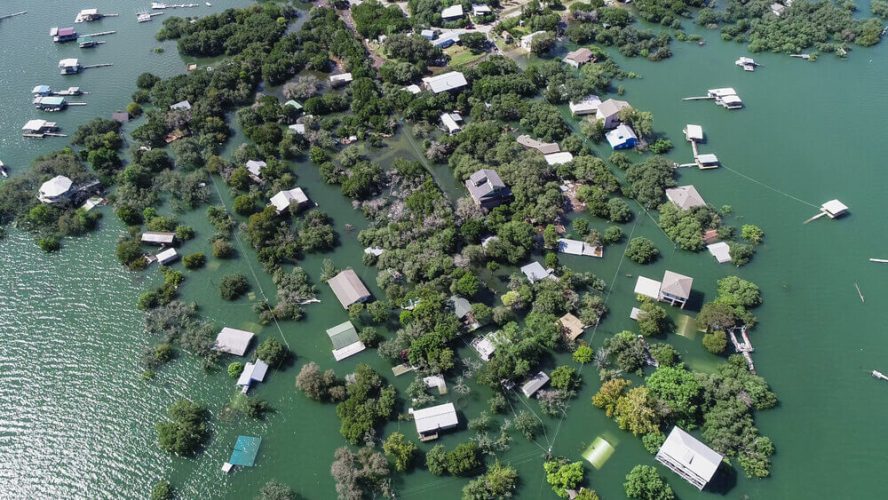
(859, 292)
(880, 261)
(698, 98)
(101, 33)
(91, 66)
(821, 214)
(14, 14)
(745, 347)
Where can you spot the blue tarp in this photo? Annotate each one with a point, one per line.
(245, 450)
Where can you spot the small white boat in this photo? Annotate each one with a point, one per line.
(143, 17)
(3, 171)
(208, 4)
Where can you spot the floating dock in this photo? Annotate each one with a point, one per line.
(832, 209)
(879, 375)
(14, 14)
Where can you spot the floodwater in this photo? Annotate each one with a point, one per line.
(77, 420)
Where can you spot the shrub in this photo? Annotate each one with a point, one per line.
(222, 249)
(715, 342)
(194, 261)
(272, 352)
(235, 368)
(642, 251)
(233, 286)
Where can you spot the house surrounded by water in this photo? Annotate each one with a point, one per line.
(683, 454)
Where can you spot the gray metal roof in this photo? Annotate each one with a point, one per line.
(348, 288)
(435, 418)
(688, 457)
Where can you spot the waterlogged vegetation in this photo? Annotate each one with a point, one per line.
(434, 243)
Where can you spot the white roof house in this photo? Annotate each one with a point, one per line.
(579, 57)
(689, 458)
(158, 238)
(181, 106)
(413, 89)
(536, 272)
(255, 167)
(675, 288)
(559, 158)
(543, 147)
(534, 384)
(585, 106)
(527, 40)
(297, 128)
(345, 340)
(777, 9)
(685, 197)
(485, 346)
(341, 79)
(233, 341)
(452, 12)
(449, 122)
(577, 247)
(436, 382)
(348, 288)
(285, 199)
(167, 256)
(55, 189)
(721, 251)
(480, 10)
(436, 418)
(621, 137)
(445, 82)
(253, 372)
(609, 112)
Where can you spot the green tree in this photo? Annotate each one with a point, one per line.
(274, 490)
(400, 451)
(679, 389)
(642, 250)
(499, 481)
(654, 320)
(272, 352)
(609, 393)
(233, 286)
(235, 368)
(162, 490)
(194, 261)
(644, 483)
(563, 475)
(635, 412)
(564, 378)
(436, 460)
(186, 431)
(583, 354)
(463, 459)
(715, 342)
(752, 233)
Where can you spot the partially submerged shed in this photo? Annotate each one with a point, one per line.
(348, 288)
(689, 458)
(534, 384)
(345, 340)
(158, 238)
(233, 341)
(430, 421)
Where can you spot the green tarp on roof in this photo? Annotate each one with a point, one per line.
(245, 450)
(343, 335)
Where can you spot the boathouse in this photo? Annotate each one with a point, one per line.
(69, 66)
(452, 13)
(88, 16)
(685, 197)
(56, 190)
(62, 35)
(341, 79)
(546, 148)
(579, 57)
(705, 161)
(50, 103)
(834, 209)
(283, 200)
(487, 189)
(571, 327)
(345, 340)
(609, 112)
(158, 238)
(167, 256)
(348, 288)
(536, 272)
(430, 421)
(675, 288)
(622, 137)
(244, 453)
(252, 372)
(585, 106)
(38, 128)
(233, 341)
(561, 158)
(535, 383)
(445, 82)
(689, 458)
(693, 133)
(41, 90)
